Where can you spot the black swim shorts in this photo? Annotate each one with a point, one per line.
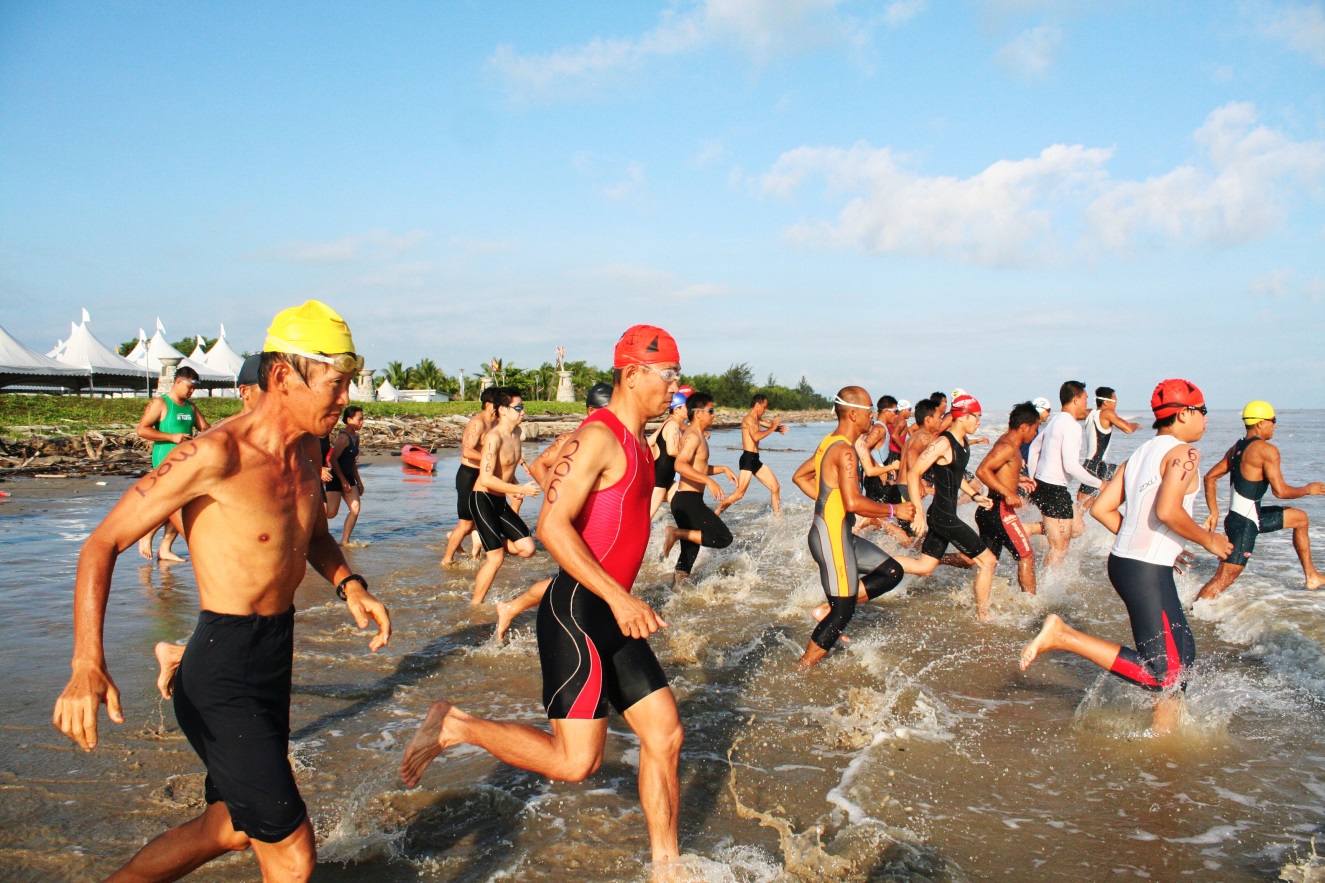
(1053, 500)
(750, 462)
(496, 521)
(1242, 532)
(465, 477)
(945, 528)
(232, 700)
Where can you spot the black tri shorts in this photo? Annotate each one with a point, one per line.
(587, 662)
(465, 477)
(496, 521)
(944, 528)
(1242, 531)
(232, 700)
(750, 462)
(1053, 500)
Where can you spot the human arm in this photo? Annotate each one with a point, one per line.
(840, 464)
(759, 431)
(928, 457)
(539, 469)
(807, 479)
(1071, 453)
(1033, 457)
(589, 453)
(152, 415)
(198, 419)
(722, 470)
(488, 481)
(471, 439)
(1270, 465)
(1111, 418)
(325, 554)
(988, 472)
(871, 467)
(342, 442)
(1211, 481)
(1107, 505)
(1176, 475)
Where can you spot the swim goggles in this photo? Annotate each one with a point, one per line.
(837, 400)
(669, 375)
(345, 363)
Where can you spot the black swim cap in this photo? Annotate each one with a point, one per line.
(599, 395)
(248, 374)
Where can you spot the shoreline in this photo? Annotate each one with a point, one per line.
(115, 449)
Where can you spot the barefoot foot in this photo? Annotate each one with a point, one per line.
(505, 613)
(669, 540)
(1043, 641)
(164, 554)
(430, 741)
(145, 547)
(1315, 581)
(167, 658)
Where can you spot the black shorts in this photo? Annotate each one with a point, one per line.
(587, 662)
(691, 513)
(875, 489)
(232, 700)
(495, 520)
(1165, 647)
(750, 462)
(1053, 500)
(1000, 529)
(334, 486)
(1242, 531)
(465, 477)
(945, 528)
(1101, 470)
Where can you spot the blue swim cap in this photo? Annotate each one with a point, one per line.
(678, 400)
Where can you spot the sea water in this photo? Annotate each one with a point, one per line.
(917, 751)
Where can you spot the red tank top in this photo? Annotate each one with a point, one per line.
(614, 521)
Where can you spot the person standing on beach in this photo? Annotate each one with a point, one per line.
(592, 632)
(1000, 470)
(665, 443)
(1055, 457)
(253, 515)
(1100, 424)
(696, 524)
(852, 570)
(500, 529)
(1157, 484)
(753, 431)
(471, 444)
(168, 421)
(945, 459)
(1253, 468)
(343, 458)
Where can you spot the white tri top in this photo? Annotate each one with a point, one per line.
(1055, 455)
(1142, 536)
(1094, 431)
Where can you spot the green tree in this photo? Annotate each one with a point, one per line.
(397, 374)
(426, 375)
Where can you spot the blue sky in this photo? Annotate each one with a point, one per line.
(910, 195)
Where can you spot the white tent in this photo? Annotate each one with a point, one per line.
(108, 368)
(386, 392)
(223, 359)
(199, 354)
(23, 366)
(158, 349)
(136, 354)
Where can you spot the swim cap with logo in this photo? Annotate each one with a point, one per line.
(679, 397)
(1042, 404)
(645, 345)
(903, 405)
(1257, 411)
(598, 396)
(956, 394)
(966, 403)
(1173, 395)
(312, 327)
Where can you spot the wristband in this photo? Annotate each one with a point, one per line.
(340, 586)
(890, 510)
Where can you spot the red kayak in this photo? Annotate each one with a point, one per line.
(417, 457)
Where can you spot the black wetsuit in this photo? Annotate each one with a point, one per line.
(349, 467)
(1247, 518)
(944, 525)
(664, 465)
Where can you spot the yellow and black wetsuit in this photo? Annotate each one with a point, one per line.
(843, 558)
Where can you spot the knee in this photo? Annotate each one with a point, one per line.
(354, 507)
(925, 566)
(232, 840)
(581, 767)
(525, 548)
(666, 742)
(721, 540)
(986, 561)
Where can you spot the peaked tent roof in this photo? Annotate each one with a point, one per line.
(84, 350)
(21, 365)
(158, 349)
(223, 358)
(199, 354)
(386, 392)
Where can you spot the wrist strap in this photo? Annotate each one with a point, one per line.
(340, 586)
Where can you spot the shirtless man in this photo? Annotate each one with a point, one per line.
(168, 421)
(754, 430)
(1158, 484)
(253, 516)
(666, 442)
(500, 529)
(1055, 457)
(949, 454)
(471, 444)
(1100, 424)
(599, 396)
(851, 569)
(899, 428)
(1252, 465)
(926, 429)
(1000, 470)
(591, 631)
(696, 524)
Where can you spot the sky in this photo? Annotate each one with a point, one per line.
(909, 194)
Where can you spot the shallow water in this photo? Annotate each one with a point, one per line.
(918, 751)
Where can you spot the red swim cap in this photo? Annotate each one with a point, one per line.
(1172, 395)
(644, 345)
(966, 404)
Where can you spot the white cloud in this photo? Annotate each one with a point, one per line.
(373, 245)
(762, 29)
(1272, 284)
(899, 12)
(1044, 208)
(628, 186)
(1301, 27)
(1031, 54)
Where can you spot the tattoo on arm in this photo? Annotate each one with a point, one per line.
(181, 453)
(562, 469)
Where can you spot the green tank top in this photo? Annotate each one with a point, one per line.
(179, 418)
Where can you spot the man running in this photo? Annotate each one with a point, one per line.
(500, 529)
(696, 524)
(666, 442)
(899, 427)
(253, 517)
(1000, 470)
(1100, 424)
(167, 422)
(1055, 456)
(1158, 484)
(948, 455)
(851, 569)
(471, 444)
(591, 630)
(753, 431)
(599, 396)
(1252, 465)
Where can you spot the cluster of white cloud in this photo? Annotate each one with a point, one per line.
(373, 245)
(1043, 208)
(1301, 27)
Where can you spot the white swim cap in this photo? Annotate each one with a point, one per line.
(957, 393)
(1042, 404)
(903, 405)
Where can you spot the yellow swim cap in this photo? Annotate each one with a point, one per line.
(1257, 411)
(312, 327)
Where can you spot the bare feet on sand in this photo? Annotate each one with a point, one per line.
(505, 613)
(164, 554)
(1315, 581)
(1043, 641)
(430, 741)
(145, 547)
(167, 657)
(669, 540)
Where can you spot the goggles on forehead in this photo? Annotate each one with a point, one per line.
(837, 400)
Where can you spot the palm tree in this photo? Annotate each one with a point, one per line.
(397, 374)
(426, 375)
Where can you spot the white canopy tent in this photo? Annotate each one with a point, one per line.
(21, 365)
(107, 367)
(223, 358)
(386, 392)
(158, 349)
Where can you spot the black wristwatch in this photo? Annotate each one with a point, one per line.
(340, 586)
